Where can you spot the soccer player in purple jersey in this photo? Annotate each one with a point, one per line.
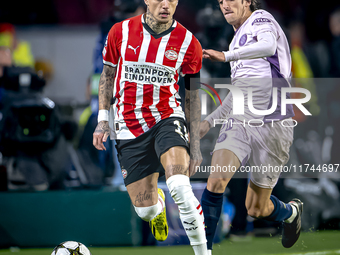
(260, 59)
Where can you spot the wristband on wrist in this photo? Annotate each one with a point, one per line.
(103, 115)
(225, 56)
(231, 55)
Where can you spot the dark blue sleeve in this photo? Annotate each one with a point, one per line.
(97, 54)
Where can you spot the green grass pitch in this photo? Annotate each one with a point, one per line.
(310, 243)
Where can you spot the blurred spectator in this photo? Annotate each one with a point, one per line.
(5, 58)
(304, 57)
(99, 166)
(214, 34)
(333, 97)
(22, 55)
(85, 115)
(334, 25)
(44, 69)
(302, 71)
(120, 10)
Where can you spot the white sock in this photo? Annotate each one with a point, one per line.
(294, 213)
(200, 249)
(190, 211)
(160, 204)
(209, 252)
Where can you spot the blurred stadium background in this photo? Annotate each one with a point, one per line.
(54, 186)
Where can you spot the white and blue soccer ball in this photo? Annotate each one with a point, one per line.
(71, 248)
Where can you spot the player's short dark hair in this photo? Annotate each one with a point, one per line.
(254, 5)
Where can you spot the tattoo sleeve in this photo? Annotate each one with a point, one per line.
(105, 89)
(102, 127)
(193, 115)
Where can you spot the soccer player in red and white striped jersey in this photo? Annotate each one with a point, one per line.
(148, 68)
(144, 57)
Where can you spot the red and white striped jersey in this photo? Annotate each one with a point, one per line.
(148, 69)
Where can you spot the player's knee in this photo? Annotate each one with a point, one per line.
(147, 213)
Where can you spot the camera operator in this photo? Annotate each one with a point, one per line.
(32, 133)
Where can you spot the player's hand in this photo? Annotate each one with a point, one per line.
(214, 55)
(101, 134)
(195, 158)
(204, 128)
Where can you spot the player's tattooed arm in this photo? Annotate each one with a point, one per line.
(193, 116)
(100, 135)
(106, 87)
(105, 91)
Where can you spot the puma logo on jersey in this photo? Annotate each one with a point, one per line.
(132, 48)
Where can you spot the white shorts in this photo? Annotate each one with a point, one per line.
(265, 147)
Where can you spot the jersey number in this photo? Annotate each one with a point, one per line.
(178, 130)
